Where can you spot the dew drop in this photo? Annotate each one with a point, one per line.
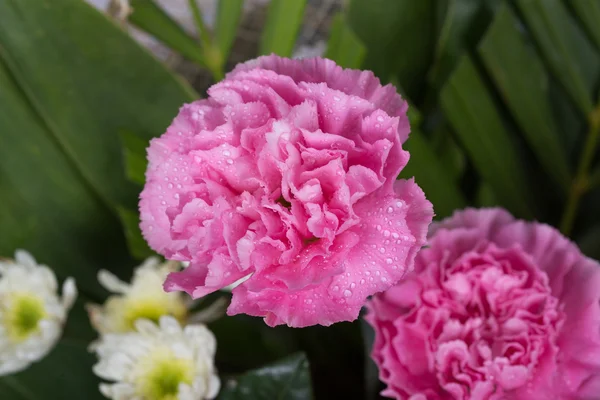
(336, 288)
(229, 161)
(347, 293)
(390, 210)
(379, 118)
(378, 227)
(386, 233)
(170, 186)
(352, 285)
(226, 153)
(382, 250)
(389, 260)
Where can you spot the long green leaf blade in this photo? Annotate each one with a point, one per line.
(566, 49)
(588, 12)
(399, 37)
(87, 80)
(47, 208)
(228, 19)
(149, 17)
(284, 18)
(473, 115)
(523, 82)
(343, 45)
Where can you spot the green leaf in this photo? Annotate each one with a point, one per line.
(149, 17)
(228, 19)
(134, 151)
(62, 108)
(432, 176)
(138, 247)
(283, 22)
(47, 207)
(399, 37)
(343, 46)
(86, 80)
(458, 19)
(588, 12)
(523, 83)
(473, 114)
(566, 49)
(288, 379)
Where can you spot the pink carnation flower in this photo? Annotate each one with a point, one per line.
(496, 309)
(286, 176)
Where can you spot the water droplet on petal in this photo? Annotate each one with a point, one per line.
(347, 293)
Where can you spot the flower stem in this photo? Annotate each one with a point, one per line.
(581, 182)
(212, 56)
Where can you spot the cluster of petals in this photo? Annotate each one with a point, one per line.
(285, 178)
(162, 361)
(496, 308)
(32, 313)
(144, 298)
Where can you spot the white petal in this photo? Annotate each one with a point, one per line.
(169, 325)
(118, 391)
(25, 259)
(149, 263)
(111, 282)
(146, 327)
(69, 293)
(185, 392)
(11, 366)
(214, 385)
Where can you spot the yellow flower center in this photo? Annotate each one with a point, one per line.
(149, 308)
(162, 374)
(23, 314)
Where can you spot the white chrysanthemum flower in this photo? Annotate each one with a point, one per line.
(143, 298)
(32, 314)
(158, 362)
